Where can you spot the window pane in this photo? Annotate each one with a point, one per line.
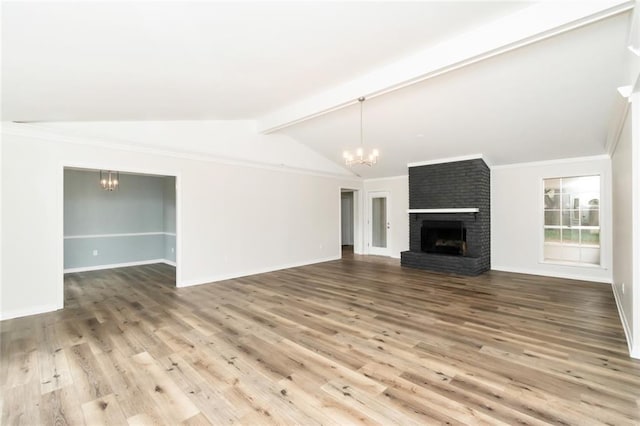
(552, 235)
(591, 236)
(552, 202)
(571, 236)
(590, 217)
(572, 185)
(581, 185)
(379, 222)
(552, 186)
(552, 193)
(552, 217)
(590, 200)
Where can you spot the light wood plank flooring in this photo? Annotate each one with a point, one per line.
(346, 342)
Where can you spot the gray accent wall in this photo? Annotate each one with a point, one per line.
(78, 253)
(93, 218)
(169, 215)
(136, 206)
(169, 204)
(169, 246)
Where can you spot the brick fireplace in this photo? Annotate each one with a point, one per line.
(450, 217)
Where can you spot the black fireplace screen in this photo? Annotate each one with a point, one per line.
(444, 237)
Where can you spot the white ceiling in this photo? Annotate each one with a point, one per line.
(93, 61)
(128, 61)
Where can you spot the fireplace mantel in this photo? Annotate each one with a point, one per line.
(463, 210)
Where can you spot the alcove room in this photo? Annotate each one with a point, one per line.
(114, 220)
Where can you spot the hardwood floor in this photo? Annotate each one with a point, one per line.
(343, 342)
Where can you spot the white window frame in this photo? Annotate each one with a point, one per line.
(543, 226)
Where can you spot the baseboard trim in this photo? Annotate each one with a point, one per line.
(230, 276)
(169, 262)
(625, 325)
(19, 313)
(114, 265)
(635, 353)
(549, 274)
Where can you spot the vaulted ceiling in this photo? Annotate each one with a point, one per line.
(549, 100)
(297, 68)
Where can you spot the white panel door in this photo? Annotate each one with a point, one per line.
(378, 223)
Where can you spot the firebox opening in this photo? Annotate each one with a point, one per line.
(444, 237)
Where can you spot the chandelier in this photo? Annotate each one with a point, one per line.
(359, 157)
(109, 180)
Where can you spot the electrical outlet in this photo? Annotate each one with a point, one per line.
(622, 288)
(95, 252)
(173, 250)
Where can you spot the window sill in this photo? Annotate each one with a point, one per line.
(551, 243)
(574, 264)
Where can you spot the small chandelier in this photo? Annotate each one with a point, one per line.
(109, 180)
(359, 157)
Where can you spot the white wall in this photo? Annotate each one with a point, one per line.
(517, 220)
(634, 80)
(232, 220)
(622, 188)
(224, 139)
(635, 165)
(625, 166)
(1, 221)
(398, 188)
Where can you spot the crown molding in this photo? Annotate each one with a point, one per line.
(552, 162)
(447, 160)
(31, 130)
(618, 119)
(385, 178)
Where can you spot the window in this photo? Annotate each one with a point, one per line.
(572, 220)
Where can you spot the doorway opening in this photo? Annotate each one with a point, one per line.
(133, 224)
(347, 222)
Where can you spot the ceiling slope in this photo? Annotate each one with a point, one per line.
(175, 60)
(523, 27)
(549, 100)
